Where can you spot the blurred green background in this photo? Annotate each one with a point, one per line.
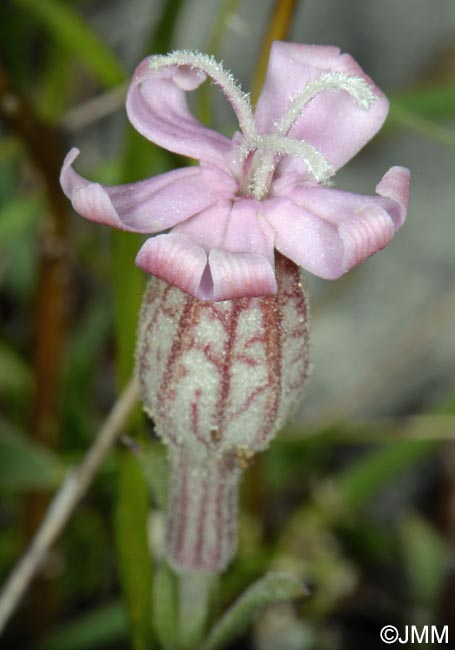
(357, 495)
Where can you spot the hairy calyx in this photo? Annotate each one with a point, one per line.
(220, 380)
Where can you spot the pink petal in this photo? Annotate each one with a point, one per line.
(305, 238)
(328, 231)
(183, 263)
(240, 244)
(208, 227)
(239, 275)
(332, 121)
(237, 227)
(248, 231)
(394, 186)
(148, 206)
(157, 108)
(176, 259)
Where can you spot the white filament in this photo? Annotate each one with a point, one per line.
(317, 165)
(280, 143)
(272, 146)
(239, 100)
(357, 87)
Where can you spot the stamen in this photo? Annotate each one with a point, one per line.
(239, 100)
(357, 87)
(260, 181)
(273, 145)
(317, 165)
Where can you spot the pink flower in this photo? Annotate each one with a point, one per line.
(263, 189)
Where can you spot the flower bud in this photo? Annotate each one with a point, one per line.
(219, 380)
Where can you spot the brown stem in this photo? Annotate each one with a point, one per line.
(277, 29)
(43, 148)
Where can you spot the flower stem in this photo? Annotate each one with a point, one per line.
(194, 596)
(202, 518)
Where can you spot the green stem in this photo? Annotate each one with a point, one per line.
(194, 596)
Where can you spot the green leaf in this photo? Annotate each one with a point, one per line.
(15, 376)
(84, 352)
(425, 558)
(133, 494)
(105, 625)
(152, 456)
(128, 289)
(165, 608)
(77, 38)
(436, 102)
(448, 406)
(18, 217)
(10, 147)
(24, 465)
(17, 33)
(160, 43)
(134, 562)
(400, 116)
(272, 588)
(369, 474)
(56, 84)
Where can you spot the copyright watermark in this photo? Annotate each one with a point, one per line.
(389, 634)
(413, 634)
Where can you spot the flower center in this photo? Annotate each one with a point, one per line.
(259, 164)
(252, 165)
(262, 153)
(259, 154)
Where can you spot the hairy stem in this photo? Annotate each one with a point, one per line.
(194, 594)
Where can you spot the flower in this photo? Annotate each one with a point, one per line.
(220, 379)
(264, 189)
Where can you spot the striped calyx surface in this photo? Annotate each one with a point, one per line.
(219, 380)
